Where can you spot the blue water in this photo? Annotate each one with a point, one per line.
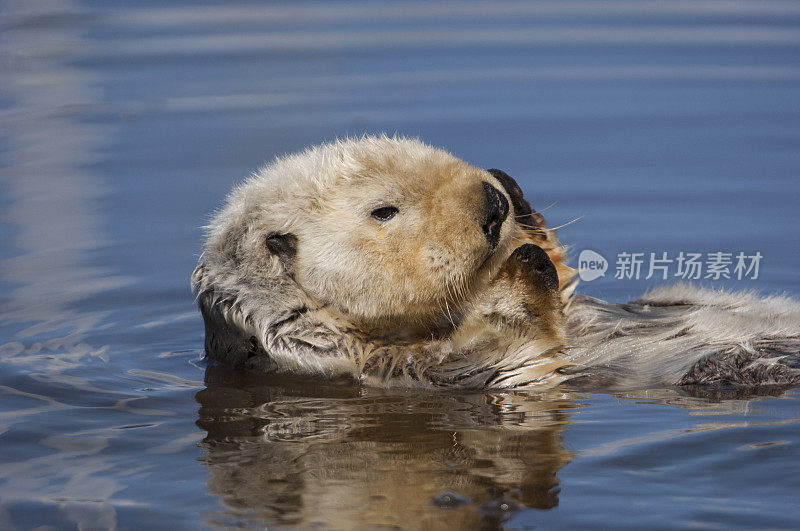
(663, 126)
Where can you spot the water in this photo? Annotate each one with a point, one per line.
(666, 127)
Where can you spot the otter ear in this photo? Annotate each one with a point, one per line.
(525, 215)
(283, 246)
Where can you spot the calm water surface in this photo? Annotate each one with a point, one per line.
(664, 126)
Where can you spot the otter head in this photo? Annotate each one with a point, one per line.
(382, 230)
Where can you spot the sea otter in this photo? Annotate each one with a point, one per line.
(396, 264)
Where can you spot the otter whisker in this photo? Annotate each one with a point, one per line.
(449, 315)
(551, 205)
(565, 224)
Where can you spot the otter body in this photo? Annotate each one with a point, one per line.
(396, 264)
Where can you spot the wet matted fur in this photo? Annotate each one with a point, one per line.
(396, 264)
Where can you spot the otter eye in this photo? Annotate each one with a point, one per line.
(384, 213)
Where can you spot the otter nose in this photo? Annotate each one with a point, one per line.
(496, 213)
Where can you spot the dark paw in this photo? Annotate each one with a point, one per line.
(533, 258)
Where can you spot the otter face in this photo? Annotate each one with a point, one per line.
(393, 234)
(404, 239)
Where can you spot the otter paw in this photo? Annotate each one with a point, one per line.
(523, 299)
(533, 259)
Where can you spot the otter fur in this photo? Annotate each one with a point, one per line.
(396, 264)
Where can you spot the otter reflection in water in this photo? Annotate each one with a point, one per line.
(283, 451)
